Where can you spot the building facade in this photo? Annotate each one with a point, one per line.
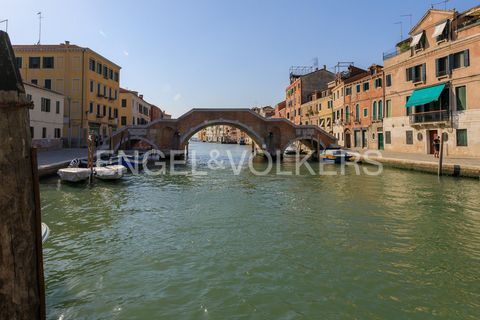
(46, 117)
(88, 81)
(134, 110)
(432, 88)
(300, 89)
(279, 110)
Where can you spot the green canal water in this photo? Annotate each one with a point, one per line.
(401, 245)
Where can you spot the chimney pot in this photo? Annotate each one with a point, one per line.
(67, 42)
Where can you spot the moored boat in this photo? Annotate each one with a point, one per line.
(74, 174)
(113, 172)
(335, 155)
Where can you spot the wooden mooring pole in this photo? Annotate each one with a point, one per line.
(440, 157)
(21, 265)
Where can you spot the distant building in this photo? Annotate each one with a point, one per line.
(266, 111)
(301, 87)
(432, 85)
(134, 110)
(279, 110)
(88, 81)
(157, 113)
(46, 117)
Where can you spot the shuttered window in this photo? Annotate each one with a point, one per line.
(409, 136)
(388, 137)
(462, 138)
(461, 94)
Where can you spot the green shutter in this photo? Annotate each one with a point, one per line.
(461, 95)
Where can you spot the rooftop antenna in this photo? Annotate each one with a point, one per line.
(6, 24)
(410, 16)
(401, 29)
(39, 26)
(315, 63)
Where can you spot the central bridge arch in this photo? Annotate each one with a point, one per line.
(272, 135)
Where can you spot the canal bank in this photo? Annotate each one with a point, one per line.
(452, 166)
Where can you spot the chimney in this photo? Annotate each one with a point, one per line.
(324, 67)
(141, 96)
(67, 43)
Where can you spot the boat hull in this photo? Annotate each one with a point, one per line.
(74, 174)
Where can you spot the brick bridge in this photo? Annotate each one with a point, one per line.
(270, 134)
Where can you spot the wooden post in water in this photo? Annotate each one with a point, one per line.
(22, 293)
(440, 156)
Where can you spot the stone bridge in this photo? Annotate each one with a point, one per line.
(272, 135)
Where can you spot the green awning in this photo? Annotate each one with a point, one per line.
(425, 95)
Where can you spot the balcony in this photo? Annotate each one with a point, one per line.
(429, 117)
(99, 116)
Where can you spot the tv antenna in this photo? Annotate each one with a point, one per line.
(315, 63)
(39, 26)
(401, 29)
(444, 3)
(6, 24)
(410, 16)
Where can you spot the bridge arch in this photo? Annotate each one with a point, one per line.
(216, 122)
(138, 138)
(306, 140)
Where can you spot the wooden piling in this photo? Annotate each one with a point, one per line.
(21, 270)
(440, 157)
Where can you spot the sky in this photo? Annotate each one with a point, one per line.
(218, 53)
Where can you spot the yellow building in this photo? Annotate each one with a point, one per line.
(318, 110)
(89, 82)
(133, 109)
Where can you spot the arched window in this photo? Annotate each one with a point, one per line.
(347, 114)
(357, 112)
(380, 109)
(375, 110)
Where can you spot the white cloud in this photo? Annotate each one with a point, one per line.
(102, 33)
(177, 97)
(125, 52)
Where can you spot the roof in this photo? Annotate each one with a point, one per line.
(61, 46)
(42, 88)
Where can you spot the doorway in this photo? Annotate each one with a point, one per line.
(348, 140)
(380, 140)
(432, 134)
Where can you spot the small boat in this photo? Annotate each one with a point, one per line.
(128, 161)
(113, 172)
(74, 174)
(45, 232)
(335, 156)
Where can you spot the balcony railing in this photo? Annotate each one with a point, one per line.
(430, 116)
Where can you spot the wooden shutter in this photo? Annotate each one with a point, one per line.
(424, 72)
(466, 58)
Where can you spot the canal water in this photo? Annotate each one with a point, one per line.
(401, 245)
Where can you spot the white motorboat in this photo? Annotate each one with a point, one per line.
(45, 232)
(74, 174)
(113, 172)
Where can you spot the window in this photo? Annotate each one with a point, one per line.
(90, 109)
(44, 132)
(98, 90)
(388, 137)
(380, 109)
(366, 86)
(99, 68)
(444, 32)
(18, 62)
(417, 73)
(348, 91)
(357, 112)
(29, 97)
(388, 108)
(91, 64)
(124, 121)
(105, 72)
(409, 110)
(110, 112)
(409, 136)
(365, 112)
(462, 138)
(115, 76)
(115, 113)
(115, 96)
(57, 133)
(47, 84)
(91, 86)
(124, 103)
(57, 107)
(34, 62)
(388, 80)
(34, 81)
(32, 131)
(104, 110)
(461, 94)
(358, 88)
(441, 66)
(98, 110)
(48, 63)
(110, 74)
(374, 110)
(45, 105)
(378, 83)
(460, 59)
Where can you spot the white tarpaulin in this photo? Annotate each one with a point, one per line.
(439, 29)
(416, 39)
